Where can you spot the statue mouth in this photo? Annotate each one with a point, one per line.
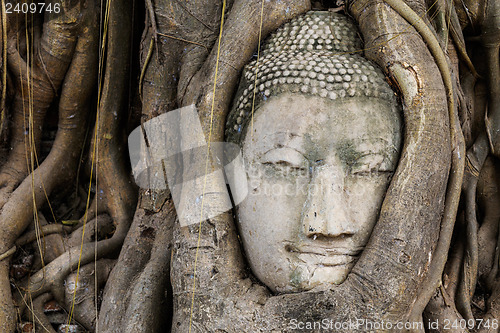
(324, 255)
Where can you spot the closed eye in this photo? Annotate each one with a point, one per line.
(284, 157)
(285, 164)
(372, 164)
(372, 173)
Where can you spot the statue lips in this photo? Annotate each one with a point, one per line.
(319, 254)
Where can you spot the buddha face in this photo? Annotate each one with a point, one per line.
(318, 170)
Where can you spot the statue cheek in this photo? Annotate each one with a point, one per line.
(366, 195)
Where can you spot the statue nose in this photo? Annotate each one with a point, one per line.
(326, 209)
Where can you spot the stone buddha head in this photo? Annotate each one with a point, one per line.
(320, 148)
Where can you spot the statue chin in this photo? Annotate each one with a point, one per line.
(320, 149)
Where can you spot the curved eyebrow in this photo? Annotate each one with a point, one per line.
(365, 138)
(284, 140)
(281, 147)
(387, 142)
(290, 135)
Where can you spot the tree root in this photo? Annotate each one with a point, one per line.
(493, 277)
(441, 307)
(493, 60)
(9, 252)
(49, 246)
(490, 38)
(488, 198)
(493, 313)
(147, 309)
(45, 230)
(84, 293)
(433, 280)
(136, 286)
(96, 229)
(37, 314)
(3, 72)
(61, 163)
(51, 277)
(55, 245)
(448, 25)
(95, 209)
(113, 176)
(37, 84)
(452, 273)
(475, 160)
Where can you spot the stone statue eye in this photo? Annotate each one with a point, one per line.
(371, 164)
(286, 158)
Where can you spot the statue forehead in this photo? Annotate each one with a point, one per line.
(316, 54)
(298, 120)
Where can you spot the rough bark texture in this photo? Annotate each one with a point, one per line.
(158, 276)
(402, 242)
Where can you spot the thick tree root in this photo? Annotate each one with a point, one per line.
(56, 245)
(35, 90)
(7, 254)
(37, 315)
(51, 277)
(452, 273)
(490, 39)
(3, 70)
(433, 280)
(45, 230)
(493, 313)
(81, 297)
(441, 308)
(488, 197)
(134, 295)
(475, 160)
(96, 229)
(62, 161)
(413, 104)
